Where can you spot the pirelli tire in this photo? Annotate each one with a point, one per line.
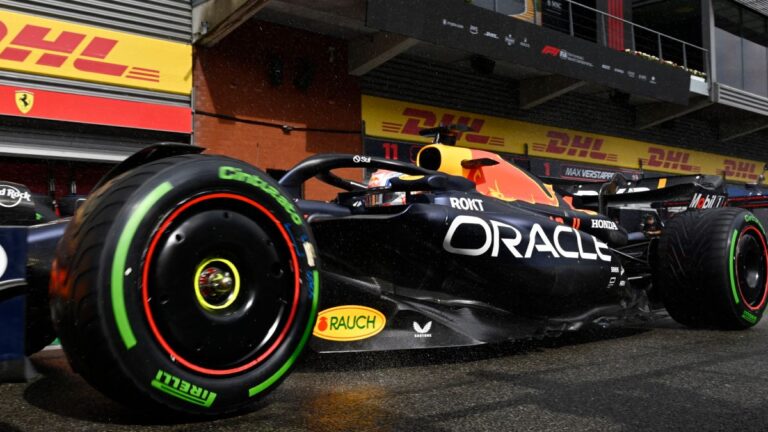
(186, 285)
(713, 268)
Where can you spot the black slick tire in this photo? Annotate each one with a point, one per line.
(713, 268)
(187, 285)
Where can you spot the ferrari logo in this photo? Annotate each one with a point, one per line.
(24, 100)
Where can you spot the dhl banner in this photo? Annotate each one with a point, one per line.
(44, 46)
(393, 119)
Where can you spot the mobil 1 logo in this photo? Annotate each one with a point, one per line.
(704, 201)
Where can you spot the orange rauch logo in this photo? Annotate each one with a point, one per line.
(740, 169)
(576, 146)
(417, 119)
(669, 159)
(52, 51)
(349, 323)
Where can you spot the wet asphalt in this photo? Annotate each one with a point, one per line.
(656, 377)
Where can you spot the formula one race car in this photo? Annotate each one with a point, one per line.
(193, 282)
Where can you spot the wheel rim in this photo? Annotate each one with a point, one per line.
(220, 284)
(752, 268)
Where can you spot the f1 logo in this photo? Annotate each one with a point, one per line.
(550, 50)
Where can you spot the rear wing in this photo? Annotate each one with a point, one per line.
(749, 196)
(699, 191)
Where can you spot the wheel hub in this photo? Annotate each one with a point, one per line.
(217, 284)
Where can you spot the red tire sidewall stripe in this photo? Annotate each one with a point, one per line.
(145, 283)
(736, 264)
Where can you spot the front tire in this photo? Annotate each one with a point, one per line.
(713, 268)
(188, 284)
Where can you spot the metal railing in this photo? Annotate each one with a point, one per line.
(594, 25)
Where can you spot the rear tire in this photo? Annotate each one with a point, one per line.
(188, 284)
(713, 268)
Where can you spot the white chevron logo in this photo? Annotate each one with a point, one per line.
(422, 332)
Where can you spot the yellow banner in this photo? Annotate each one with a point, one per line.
(44, 46)
(400, 120)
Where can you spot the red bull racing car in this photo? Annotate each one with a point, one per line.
(192, 283)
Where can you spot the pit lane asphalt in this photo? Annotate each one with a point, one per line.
(656, 377)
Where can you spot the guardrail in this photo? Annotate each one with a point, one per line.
(591, 24)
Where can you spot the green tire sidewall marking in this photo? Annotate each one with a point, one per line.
(732, 265)
(253, 391)
(752, 218)
(748, 317)
(237, 174)
(182, 389)
(120, 258)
